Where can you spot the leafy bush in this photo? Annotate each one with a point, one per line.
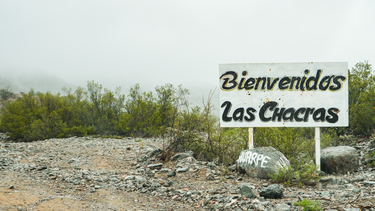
(292, 142)
(284, 175)
(309, 205)
(142, 116)
(197, 129)
(298, 174)
(6, 93)
(362, 99)
(96, 110)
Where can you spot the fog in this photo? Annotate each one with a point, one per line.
(47, 45)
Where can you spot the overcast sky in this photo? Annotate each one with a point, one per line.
(121, 43)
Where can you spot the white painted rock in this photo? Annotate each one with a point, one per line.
(261, 161)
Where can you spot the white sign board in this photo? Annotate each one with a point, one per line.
(311, 94)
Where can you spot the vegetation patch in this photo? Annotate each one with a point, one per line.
(309, 205)
(167, 113)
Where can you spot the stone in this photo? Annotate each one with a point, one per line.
(155, 166)
(260, 162)
(233, 201)
(232, 168)
(247, 190)
(368, 183)
(142, 158)
(358, 178)
(321, 173)
(272, 192)
(140, 179)
(154, 152)
(164, 170)
(188, 160)
(357, 190)
(131, 177)
(183, 169)
(283, 207)
(349, 186)
(210, 176)
(325, 194)
(211, 164)
(180, 156)
(171, 174)
(150, 174)
(339, 160)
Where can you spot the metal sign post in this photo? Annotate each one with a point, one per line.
(317, 147)
(251, 138)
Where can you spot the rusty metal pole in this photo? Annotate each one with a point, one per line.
(251, 136)
(317, 147)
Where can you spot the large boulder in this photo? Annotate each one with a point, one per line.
(261, 161)
(339, 160)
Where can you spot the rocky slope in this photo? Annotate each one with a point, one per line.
(125, 174)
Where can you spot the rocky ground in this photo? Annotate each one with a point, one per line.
(125, 174)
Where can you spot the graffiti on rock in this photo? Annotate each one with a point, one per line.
(253, 158)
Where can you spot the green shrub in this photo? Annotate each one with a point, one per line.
(300, 173)
(104, 108)
(6, 93)
(284, 175)
(292, 142)
(141, 116)
(230, 142)
(309, 205)
(307, 174)
(361, 99)
(17, 117)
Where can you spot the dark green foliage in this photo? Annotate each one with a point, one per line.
(44, 115)
(362, 99)
(142, 115)
(104, 108)
(17, 116)
(289, 141)
(168, 102)
(95, 111)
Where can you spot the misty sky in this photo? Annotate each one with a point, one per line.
(48, 44)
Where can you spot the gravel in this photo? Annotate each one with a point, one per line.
(85, 173)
